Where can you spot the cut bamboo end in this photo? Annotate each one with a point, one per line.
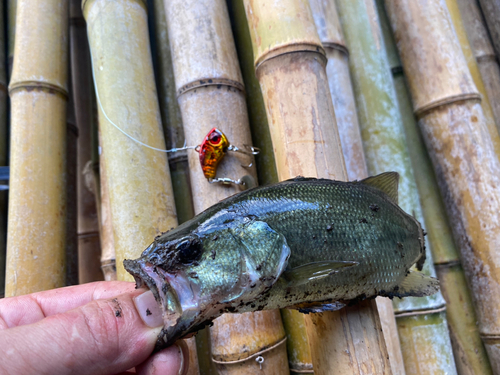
(299, 352)
(420, 337)
(132, 168)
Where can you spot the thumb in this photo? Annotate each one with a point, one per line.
(101, 337)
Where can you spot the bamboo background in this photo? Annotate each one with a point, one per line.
(405, 85)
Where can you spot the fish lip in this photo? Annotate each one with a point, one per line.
(141, 277)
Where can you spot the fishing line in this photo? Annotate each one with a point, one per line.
(120, 129)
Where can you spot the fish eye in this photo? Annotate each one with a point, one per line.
(188, 251)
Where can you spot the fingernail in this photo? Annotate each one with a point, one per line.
(183, 351)
(148, 309)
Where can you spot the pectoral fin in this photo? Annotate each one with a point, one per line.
(316, 307)
(417, 284)
(315, 271)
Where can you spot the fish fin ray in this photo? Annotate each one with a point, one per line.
(315, 271)
(386, 182)
(417, 284)
(316, 307)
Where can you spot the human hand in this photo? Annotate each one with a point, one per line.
(96, 328)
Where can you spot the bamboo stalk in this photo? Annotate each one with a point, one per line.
(89, 249)
(491, 12)
(469, 353)
(210, 93)
(493, 128)
(11, 33)
(140, 190)
(339, 79)
(3, 152)
(171, 116)
(467, 167)
(288, 54)
(385, 148)
(483, 51)
(37, 201)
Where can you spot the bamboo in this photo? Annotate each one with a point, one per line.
(140, 190)
(259, 127)
(171, 115)
(339, 79)
(38, 91)
(210, 93)
(456, 18)
(469, 353)
(385, 148)
(11, 33)
(483, 51)
(288, 55)
(89, 249)
(3, 152)
(466, 167)
(491, 12)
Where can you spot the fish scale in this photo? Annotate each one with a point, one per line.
(311, 244)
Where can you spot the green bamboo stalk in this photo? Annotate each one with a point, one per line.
(469, 353)
(386, 150)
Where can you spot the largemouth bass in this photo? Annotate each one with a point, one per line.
(310, 244)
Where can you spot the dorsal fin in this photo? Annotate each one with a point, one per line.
(386, 182)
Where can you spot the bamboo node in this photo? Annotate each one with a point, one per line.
(259, 358)
(141, 2)
(37, 86)
(219, 82)
(282, 50)
(421, 111)
(340, 47)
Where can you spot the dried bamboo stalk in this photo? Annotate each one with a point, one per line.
(37, 201)
(458, 25)
(11, 33)
(339, 79)
(140, 190)
(385, 148)
(483, 51)
(210, 93)
(89, 249)
(491, 12)
(288, 54)
(446, 103)
(469, 353)
(171, 115)
(3, 152)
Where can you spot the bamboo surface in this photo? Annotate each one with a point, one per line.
(467, 167)
(458, 25)
(210, 93)
(469, 353)
(140, 190)
(339, 80)
(483, 51)
(288, 54)
(37, 199)
(11, 33)
(3, 151)
(386, 150)
(491, 12)
(89, 249)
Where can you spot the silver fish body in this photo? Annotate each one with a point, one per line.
(310, 244)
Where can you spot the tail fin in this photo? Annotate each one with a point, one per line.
(417, 284)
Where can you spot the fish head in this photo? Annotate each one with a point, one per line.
(198, 276)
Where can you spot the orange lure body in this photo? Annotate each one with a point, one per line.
(212, 150)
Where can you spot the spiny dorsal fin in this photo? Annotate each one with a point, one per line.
(315, 271)
(386, 182)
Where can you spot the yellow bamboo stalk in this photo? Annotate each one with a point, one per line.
(491, 12)
(3, 153)
(37, 201)
(11, 32)
(288, 55)
(483, 51)
(458, 25)
(210, 93)
(89, 249)
(339, 80)
(446, 103)
(140, 190)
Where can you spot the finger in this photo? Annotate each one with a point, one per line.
(101, 337)
(173, 360)
(31, 308)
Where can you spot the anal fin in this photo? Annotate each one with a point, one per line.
(416, 284)
(316, 307)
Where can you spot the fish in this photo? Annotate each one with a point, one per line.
(309, 244)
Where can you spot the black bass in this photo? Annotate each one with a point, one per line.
(310, 244)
